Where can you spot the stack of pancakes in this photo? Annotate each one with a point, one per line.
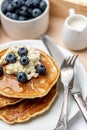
(21, 101)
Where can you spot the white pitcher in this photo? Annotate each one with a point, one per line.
(74, 33)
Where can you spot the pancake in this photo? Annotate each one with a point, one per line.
(36, 87)
(4, 101)
(28, 108)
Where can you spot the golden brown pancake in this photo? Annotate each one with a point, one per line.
(4, 101)
(36, 87)
(28, 108)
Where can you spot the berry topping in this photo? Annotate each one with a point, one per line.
(41, 69)
(11, 58)
(22, 51)
(1, 71)
(24, 60)
(22, 77)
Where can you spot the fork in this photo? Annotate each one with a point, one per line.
(66, 78)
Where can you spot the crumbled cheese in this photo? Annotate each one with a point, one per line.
(34, 59)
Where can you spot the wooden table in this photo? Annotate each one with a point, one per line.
(56, 24)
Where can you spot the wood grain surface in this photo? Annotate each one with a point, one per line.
(60, 7)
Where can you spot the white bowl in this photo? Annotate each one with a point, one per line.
(0, 5)
(26, 29)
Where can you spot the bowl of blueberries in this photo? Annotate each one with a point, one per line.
(24, 19)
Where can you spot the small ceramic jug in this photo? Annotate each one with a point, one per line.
(74, 33)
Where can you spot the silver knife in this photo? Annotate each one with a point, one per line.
(52, 49)
(75, 91)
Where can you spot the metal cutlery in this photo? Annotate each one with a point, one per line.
(76, 92)
(66, 78)
(52, 49)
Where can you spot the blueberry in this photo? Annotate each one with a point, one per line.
(11, 58)
(43, 5)
(36, 12)
(18, 3)
(24, 60)
(4, 6)
(22, 18)
(22, 51)
(11, 7)
(36, 3)
(22, 77)
(9, 15)
(41, 69)
(1, 71)
(14, 16)
(29, 3)
(23, 11)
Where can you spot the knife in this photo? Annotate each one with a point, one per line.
(52, 49)
(76, 93)
(75, 90)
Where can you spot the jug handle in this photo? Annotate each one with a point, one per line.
(71, 11)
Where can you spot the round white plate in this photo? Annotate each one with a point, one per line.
(48, 120)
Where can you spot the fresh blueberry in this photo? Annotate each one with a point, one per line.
(23, 11)
(22, 51)
(24, 60)
(14, 16)
(9, 15)
(4, 6)
(41, 69)
(43, 5)
(36, 12)
(22, 18)
(1, 71)
(18, 3)
(11, 7)
(22, 77)
(36, 3)
(11, 58)
(29, 3)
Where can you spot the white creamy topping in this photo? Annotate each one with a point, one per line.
(34, 59)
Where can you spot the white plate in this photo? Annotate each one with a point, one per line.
(48, 120)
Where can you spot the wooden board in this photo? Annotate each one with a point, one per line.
(60, 7)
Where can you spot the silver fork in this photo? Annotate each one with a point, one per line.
(66, 78)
